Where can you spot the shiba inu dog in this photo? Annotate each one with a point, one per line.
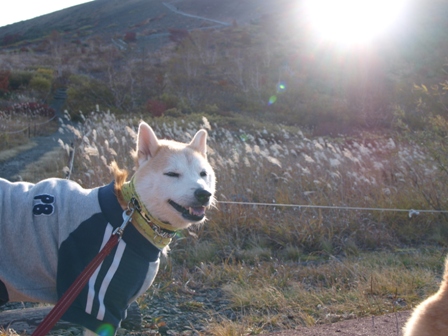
(49, 231)
(429, 318)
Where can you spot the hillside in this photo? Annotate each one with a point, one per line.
(233, 58)
(149, 19)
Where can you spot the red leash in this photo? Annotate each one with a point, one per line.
(73, 291)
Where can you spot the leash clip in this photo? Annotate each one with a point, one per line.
(127, 215)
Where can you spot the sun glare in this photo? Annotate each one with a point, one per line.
(349, 22)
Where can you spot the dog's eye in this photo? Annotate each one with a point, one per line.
(203, 173)
(172, 174)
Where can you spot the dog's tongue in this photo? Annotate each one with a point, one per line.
(197, 211)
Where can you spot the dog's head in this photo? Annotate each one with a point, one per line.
(174, 180)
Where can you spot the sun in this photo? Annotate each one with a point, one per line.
(349, 22)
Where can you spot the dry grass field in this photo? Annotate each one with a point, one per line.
(327, 230)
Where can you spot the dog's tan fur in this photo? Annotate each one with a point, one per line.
(430, 318)
(120, 176)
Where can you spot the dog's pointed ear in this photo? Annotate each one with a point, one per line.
(199, 142)
(147, 143)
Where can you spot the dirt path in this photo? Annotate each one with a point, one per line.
(175, 10)
(11, 168)
(385, 325)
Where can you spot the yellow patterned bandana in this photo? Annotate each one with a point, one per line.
(156, 231)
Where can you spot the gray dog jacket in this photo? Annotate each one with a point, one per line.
(51, 230)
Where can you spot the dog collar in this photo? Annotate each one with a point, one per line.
(156, 231)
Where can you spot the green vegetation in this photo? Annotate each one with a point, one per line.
(20, 79)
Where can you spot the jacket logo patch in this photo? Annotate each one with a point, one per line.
(43, 205)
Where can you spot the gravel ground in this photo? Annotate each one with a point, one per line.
(184, 312)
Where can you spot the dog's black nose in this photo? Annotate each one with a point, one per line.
(202, 195)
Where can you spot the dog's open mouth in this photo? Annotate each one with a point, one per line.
(194, 214)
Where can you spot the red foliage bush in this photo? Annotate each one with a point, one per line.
(4, 80)
(130, 37)
(31, 109)
(177, 35)
(155, 107)
(10, 39)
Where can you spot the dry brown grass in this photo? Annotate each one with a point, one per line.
(8, 332)
(51, 164)
(286, 266)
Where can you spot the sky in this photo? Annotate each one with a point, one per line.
(20, 10)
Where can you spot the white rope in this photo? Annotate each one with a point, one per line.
(45, 122)
(29, 126)
(410, 211)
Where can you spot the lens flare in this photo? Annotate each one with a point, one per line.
(353, 21)
(105, 330)
(281, 87)
(272, 99)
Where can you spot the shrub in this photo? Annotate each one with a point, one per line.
(173, 112)
(130, 37)
(170, 100)
(45, 73)
(20, 79)
(155, 107)
(11, 39)
(178, 35)
(83, 92)
(211, 109)
(4, 80)
(30, 109)
(41, 85)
